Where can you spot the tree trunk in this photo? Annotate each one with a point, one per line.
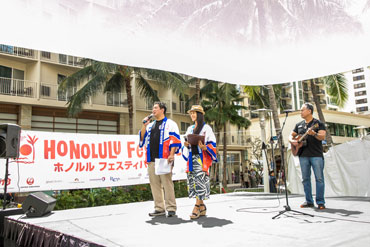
(273, 106)
(130, 105)
(275, 116)
(197, 92)
(224, 181)
(215, 171)
(316, 99)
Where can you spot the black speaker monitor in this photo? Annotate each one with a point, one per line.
(38, 204)
(9, 140)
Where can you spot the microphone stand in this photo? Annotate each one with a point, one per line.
(6, 183)
(282, 150)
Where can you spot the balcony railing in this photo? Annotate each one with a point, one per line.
(238, 138)
(16, 87)
(322, 102)
(62, 59)
(287, 85)
(116, 99)
(321, 92)
(17, 51)
(147, 104)
(286, 96)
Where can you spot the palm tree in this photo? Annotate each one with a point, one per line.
(108, 77)
(337, 89)
(222, 107)
(257, 94)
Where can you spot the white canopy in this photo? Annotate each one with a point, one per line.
(243, 42)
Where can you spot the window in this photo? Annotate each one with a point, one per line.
(300, 84)
(345, 130)
(62, 58)
(184, 127)
(45, 54)
(174, 106)
(184, 105)
(361, 101)
(5, 72)
(45, 91)
(357, 78)
(360, 93)
(359, 85)
(357, 70)
(295, 95)
(362, 109)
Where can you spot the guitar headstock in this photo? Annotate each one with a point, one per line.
(316, 125)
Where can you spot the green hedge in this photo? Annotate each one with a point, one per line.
(116, 195)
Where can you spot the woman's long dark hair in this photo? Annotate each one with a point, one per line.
(200, 122)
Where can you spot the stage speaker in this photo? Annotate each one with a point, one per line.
(38, 204)
(9, 140)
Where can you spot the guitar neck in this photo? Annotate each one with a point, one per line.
(302, 137)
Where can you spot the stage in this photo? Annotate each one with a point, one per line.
(234, 219)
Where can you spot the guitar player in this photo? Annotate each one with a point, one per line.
(311, 155)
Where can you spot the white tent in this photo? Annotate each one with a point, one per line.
(346, 172)
(244, 42)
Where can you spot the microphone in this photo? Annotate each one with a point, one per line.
(147, 118)
(288, 111)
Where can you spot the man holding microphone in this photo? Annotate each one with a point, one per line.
(162, 140)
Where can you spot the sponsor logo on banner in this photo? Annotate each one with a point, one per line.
(97, 179)
(77, 181)
(53, 181)
(2, 181)
(114, 179)
(30, 181)
(27, 151)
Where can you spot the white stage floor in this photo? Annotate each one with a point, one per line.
(235, 219)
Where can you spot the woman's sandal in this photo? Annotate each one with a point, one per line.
(194, 216)
(204, 211)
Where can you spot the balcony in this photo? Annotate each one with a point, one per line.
(116, 99)
(320, 92)
(16, 87)
(62, 59)
(17, 51)
(235, 138)
(287, 85)
(180, 107)
(147, 105)
(286, 96)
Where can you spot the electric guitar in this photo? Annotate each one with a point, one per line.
(301, 139)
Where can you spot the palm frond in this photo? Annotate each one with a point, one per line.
(76, 79)
(337, 88)
(145, 89)
(115, 83)
(82, 95)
